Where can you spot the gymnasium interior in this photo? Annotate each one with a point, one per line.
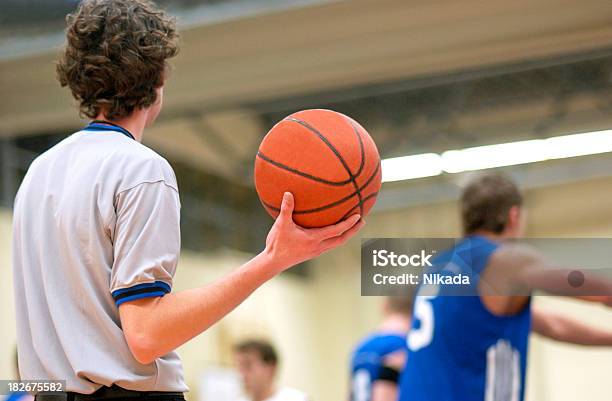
(423, 77)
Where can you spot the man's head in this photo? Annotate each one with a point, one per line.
(491, 203)
(256, 361)
(115, 59)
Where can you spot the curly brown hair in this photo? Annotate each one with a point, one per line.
(116, 55)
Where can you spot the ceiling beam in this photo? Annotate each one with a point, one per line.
(327, 47)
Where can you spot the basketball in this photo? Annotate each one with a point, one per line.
(327, 160)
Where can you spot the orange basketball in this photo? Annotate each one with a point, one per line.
(326, 159)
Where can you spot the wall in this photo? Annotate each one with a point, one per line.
(7, 311)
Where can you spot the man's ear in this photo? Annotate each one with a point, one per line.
(273, 369)
(514, 217)
(160, 93)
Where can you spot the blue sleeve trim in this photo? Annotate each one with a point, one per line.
(145, 290)
(140, 296)
(157, 284)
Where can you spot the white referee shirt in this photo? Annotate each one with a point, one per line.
(96, 224)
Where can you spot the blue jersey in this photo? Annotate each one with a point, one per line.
(458, 350)
(367, 362)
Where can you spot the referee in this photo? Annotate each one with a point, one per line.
(96, 226)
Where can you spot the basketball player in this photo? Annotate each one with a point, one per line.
(257, 363)
(474, 348)
(377, 361)
(96, 226)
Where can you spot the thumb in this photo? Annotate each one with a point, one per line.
(286, 211)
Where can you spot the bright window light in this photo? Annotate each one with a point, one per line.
(590, 143)
(409, 167)
(503, 154)
(500, 155)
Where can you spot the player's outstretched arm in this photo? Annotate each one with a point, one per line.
(521, 270)
(559, 281)
(155, 326)
(558, 327)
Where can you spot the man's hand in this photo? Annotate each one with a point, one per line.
(289, 244)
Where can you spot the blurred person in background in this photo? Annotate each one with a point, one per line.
(377, 361)
(19, 395)
(474, 348)
(257, 363)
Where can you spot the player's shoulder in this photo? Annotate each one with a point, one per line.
(366, 343)
(379, 340)
(114, 149)
(136, 151)
(54, 152)
(518, 252)
(119, 159)
(140, 164)
(375, 346)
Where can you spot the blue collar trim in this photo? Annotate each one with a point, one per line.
(106, 126)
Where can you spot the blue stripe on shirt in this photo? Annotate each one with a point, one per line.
(144, 290)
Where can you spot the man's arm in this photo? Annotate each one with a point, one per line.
(385, 387)
(518, 270)
(558, 281)
(561, 328)
(384, 391)
(155, 326)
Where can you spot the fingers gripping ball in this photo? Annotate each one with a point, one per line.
(326, 159)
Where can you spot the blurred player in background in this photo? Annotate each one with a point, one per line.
(474, 348)
(257, 362)
(378, 359)
(97, 226)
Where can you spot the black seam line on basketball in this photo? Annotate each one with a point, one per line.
(333, 149)
(301, 173)
(360, 205)
(332, 204)
(355, 207)
(362, 163)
